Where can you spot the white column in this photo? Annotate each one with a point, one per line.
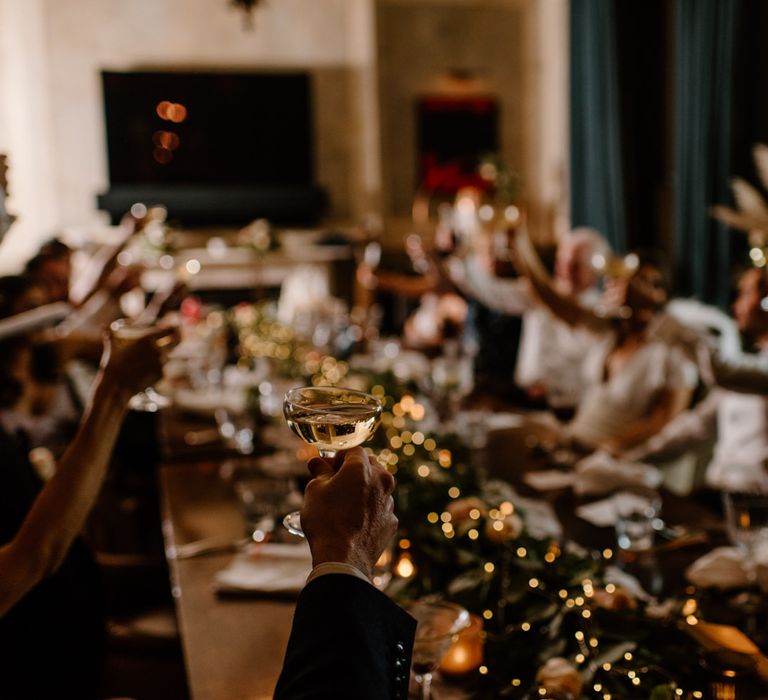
(25, 130)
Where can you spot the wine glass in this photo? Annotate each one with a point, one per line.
(438, 626)
(331, 419)
(149, 400)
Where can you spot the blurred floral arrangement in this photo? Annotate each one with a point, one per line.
(751, 214)
(558, 623)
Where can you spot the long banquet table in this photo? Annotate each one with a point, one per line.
(233, 648)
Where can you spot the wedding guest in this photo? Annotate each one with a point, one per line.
(441, 312)
(736, 417)
(51, 627)
(550, 351)
(348, 640)
(635, 382)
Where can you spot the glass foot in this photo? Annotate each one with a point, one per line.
(292, 523)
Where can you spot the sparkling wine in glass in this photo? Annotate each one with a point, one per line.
(331, 419)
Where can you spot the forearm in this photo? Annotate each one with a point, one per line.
(59, 512)
(668, 406)
(507, 296)
(689, 429)
(745, 373)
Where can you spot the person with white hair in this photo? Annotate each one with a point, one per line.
(551, 351)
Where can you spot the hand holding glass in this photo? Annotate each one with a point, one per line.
(332, 419)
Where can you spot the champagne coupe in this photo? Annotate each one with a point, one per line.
(331, 419)
(438, 626)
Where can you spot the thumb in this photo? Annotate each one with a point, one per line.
(319, 467)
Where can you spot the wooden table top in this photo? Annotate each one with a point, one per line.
(233, 648)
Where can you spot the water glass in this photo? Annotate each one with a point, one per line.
(746, 519)
(636, 517)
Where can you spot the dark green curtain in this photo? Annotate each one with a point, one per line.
(597, 178)
(704, 48)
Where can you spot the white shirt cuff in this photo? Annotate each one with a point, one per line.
(333, 567)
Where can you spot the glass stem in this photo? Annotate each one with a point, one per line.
(426, 686)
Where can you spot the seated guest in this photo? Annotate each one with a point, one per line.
(441, 312)
(636, 383)
(550, 351)
(52, 268)
(349, 641)
(734, 413)
(51, 629)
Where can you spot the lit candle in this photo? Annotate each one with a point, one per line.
(466, 653)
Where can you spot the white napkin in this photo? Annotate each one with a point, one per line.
(602, 473)
(604, 513)
(729, 567)
(549, 479)
(270, 568)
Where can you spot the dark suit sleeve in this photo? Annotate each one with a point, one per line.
(348, 641)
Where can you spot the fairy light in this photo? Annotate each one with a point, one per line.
(607, 553)
(631, 674)
(597, 687)
(586, 614)
(579, 658)
(409, 450)
(418, 438)
(579, 636)
(489, 567)
(521, 552)
(404, 544)
(628, 656)
(398, 422)
(446, 528)
(533, 583)
(578, 600)
(507, 508)
(473, 534)
(526, 626)
(593, 643)
(445, 516)
(689, 607)
(429, 444)
(607, 666)
(396, 442)
(423, 471)
(417, 413)
(406, 436)
(610, 588)
(495, 514)
(498, 525)
(487, 614)
(635, 681)
(516, 682)
(474, 514)
(563, 593)
(433, 517)
(549, 557)
(404, 567)
(692, 620)
(569, 603)
(483, 670)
